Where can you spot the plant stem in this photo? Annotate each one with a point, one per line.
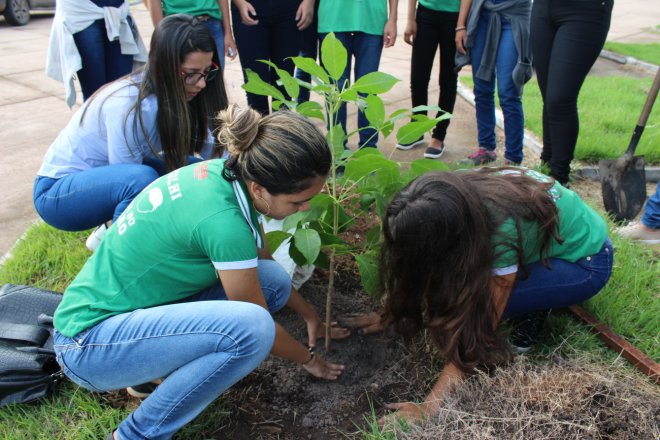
(328, 301)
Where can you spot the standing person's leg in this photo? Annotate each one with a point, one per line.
(91, 43)
(581, 31)
(347, 39)
(285, 39)
(651, 217)
(648, 229)
(510, 97)
(89, 198)
(215, 27)
(201, 349)
(421, 62)
(542, 37)
(367, 49)
(116, 63)
(253, 45)
(448, 79)
(309, 47)
(484, 100)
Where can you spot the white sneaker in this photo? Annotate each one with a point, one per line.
(95, 238)
(638, 232)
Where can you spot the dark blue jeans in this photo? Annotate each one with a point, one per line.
(510, 100)
(215, 27)
(276, 38)
(102, 60)
(566, 39)
(562, 285)
(309, 47)
(366, 49)
(651, 216)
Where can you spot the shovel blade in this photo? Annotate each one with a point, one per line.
(623, 182)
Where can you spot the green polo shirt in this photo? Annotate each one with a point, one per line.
(166, 246)
(195, 7)
(442, 5)
(368, 16)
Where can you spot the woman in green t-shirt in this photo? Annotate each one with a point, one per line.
(464, 250)
(182, 285)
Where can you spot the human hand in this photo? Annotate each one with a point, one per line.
(319, 367)
(389, 33)
(461, 37)
(304, 14)
(366, 323)
(408, 411)
(230, 47)
(247, 11)
(316, 330)
(410, 33)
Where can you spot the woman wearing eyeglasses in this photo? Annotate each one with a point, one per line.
(133, 130)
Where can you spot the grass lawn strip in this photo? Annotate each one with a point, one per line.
(649, 52)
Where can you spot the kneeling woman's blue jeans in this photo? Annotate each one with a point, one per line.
(561, 285)
(201, 347)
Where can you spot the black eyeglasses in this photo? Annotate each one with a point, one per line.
(193, 78)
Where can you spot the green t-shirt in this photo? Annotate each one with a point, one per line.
(442, 5)
(166, 246)
(192, 7)
(581, 228)
(368, 16)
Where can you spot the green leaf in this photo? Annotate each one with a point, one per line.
(412, 131)
(322, 261)
(368, 267)
(311, 109)
(334, 56)
(292, 221)
(336, 138)
(295, 254)
(373, 237)
(422, 166)
(427, 108)
(375, 111)
(258, 86)
(387, 129)
(348, 95)
(275, 239)
(309, 65)
(308, 243)
(286, 80)
(375, 83)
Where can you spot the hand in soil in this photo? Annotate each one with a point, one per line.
(316, 330)
(319, 367)
(366, 323)
(408, 411)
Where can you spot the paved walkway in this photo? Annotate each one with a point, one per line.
(33, 111)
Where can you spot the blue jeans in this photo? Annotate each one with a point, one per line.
(510, 100)
(651, 216)
(200, 346)
(215, 27)
(86, 199)
(309, 47)
(366, 49)
(102, 60)
(562, 285)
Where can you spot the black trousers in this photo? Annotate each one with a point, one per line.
(434, 29)
(566, 38)
(275, 39)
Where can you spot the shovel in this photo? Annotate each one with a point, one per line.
(623, 180)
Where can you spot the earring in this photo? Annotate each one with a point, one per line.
(267, 205)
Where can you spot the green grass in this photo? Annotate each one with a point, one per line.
(49, 258)
(649, 52)
(609, 109)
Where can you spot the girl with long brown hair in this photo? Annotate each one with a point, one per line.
(464, 250)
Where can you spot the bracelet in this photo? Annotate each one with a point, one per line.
(460, 28)
(311, 358)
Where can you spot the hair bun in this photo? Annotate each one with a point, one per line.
(238, 128)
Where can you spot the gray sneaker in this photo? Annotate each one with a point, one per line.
(640, 233)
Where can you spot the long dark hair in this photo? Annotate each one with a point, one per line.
(182, 125)
(437, 256)
(282, 151)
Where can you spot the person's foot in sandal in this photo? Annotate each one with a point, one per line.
(143, 390)
(435, 149)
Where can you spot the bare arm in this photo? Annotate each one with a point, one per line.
(247, 11)
(461, 34)
(411, 27)
(389, 32)
(155, 11)
(230, 44)
(305, 14)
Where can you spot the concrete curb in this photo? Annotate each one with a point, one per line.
(623, 59)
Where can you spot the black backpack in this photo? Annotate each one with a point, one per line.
(28, 369)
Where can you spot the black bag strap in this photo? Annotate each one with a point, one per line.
(32, 334)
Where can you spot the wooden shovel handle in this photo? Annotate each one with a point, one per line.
(646, 111)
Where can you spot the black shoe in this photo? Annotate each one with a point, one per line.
(142, 391)
(525, 330)
(434, 153)
(410, 145)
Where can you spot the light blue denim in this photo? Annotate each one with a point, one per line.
(366, 49)
(651, 216)
(200, 346)
(510, 100)
(562, 284)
